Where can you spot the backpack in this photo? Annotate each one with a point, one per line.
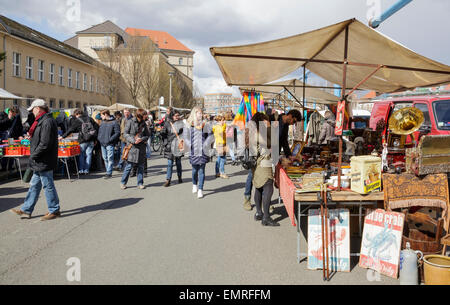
(248, 162)
(88, 132)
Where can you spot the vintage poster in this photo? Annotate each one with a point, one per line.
(340, 114)
(338, 240)
(381, 242)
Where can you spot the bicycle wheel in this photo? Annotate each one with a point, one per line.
(156, 144)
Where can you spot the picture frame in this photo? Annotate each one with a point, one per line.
(297, 148)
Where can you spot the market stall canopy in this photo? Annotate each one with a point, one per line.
(5, 95)
(322, 51)
(120, 107)
(294, 87)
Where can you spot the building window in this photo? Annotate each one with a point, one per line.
(29, 68)
(77, 80)
(85, 82)
(92, 83)
(52, 73)
(61, 76)
(85, 106)
(61, 104)
(29, 100)
(16, 64)
(180, 61)
(69, 78)
(70, 104)
(78, 105)
(40, 70)
(97, 87)
(52, 103)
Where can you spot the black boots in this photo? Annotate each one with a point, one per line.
(167, 183)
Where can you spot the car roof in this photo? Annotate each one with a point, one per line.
(413, 98)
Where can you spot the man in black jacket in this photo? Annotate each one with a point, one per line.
(43, 160)
(108, 136)
(86, 140)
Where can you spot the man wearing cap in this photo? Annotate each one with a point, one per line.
(43, 135)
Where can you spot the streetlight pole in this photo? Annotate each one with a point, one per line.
(170, 87)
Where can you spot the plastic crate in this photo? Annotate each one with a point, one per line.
(64, 152)
(13, 151)
(26, 150)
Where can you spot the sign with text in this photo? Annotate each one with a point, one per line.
(381, 242)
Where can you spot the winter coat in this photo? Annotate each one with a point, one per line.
(137, 153)
(109, 132)
(171, 149)
(199, 142)
(123, 123)
(44, 145)
(263, 170)
(75, 127)
(327, 131)
(11, 128)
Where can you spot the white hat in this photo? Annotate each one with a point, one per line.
(37, 103)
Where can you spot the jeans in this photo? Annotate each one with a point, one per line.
(140, 173)
(86, 156)
(263, 198)
(108, 157)
(198, 175)
(121, 161)
(231, 150)
(149, 148)
(170, 163)
(249, 184)
(220, 164)
(39, 180)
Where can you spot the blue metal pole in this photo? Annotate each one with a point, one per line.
(389, 12)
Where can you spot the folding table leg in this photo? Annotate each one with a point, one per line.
(299, 231)
(76, 166)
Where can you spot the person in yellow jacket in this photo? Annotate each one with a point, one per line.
(220, 137)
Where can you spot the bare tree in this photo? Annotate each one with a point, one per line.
(110, 68)
(137, 67)
(151, 81)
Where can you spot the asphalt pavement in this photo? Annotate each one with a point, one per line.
(154, 236)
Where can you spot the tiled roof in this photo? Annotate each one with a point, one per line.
(16, 29)
(164, 40)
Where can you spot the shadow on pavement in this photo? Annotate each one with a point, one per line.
(9, 203)
(5, 191)
(108, 205)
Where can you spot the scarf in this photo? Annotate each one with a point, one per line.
(36, 121)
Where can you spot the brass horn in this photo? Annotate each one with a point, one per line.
(405, 121)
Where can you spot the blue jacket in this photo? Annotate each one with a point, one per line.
(109, 132)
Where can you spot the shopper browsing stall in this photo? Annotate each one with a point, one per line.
(220, 137)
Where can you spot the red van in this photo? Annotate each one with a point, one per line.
(435, 108)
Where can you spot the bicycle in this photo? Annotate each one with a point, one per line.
(157, 141)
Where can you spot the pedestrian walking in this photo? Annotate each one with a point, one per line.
(173, 150)
(136, 135)
(43, 160)
(262, 173)
(87, 130)
(220, 138)
(108, 136)
(198, 139)
(126, 117)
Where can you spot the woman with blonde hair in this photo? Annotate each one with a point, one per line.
(198, 139)
(220, 137)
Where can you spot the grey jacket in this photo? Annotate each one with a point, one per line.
(137, 153)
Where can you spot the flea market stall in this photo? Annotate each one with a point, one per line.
(356, 57)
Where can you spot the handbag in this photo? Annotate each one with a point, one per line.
(127, 148)
(27, 175)
(249, 162)
(180, 141)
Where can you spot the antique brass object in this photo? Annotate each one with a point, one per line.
(405, 121)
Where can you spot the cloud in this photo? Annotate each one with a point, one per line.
(422, 25)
